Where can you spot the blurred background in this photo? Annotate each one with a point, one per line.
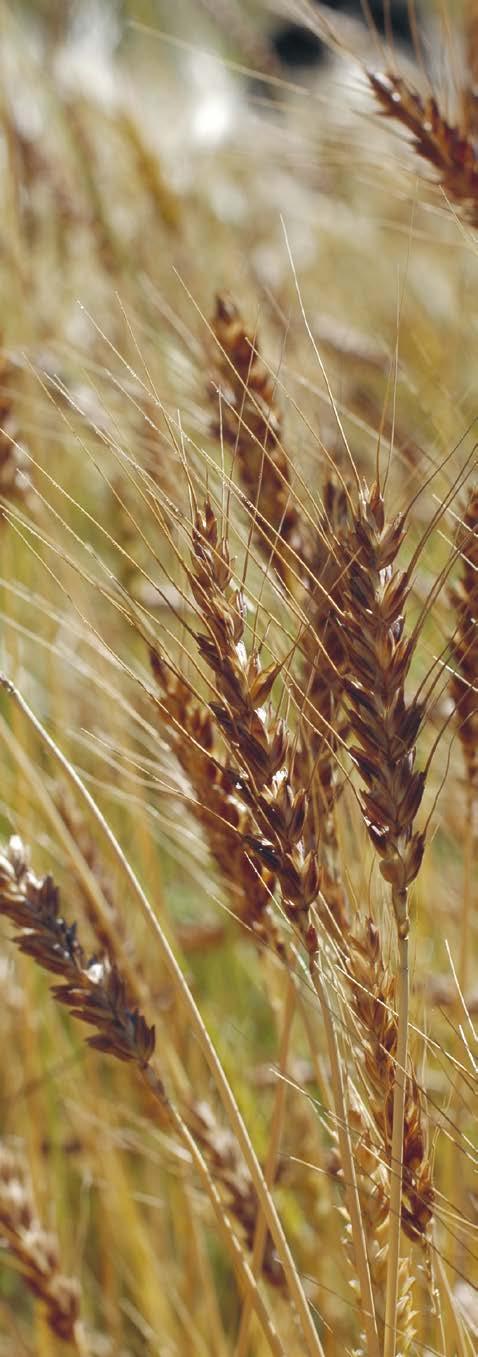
(232, 23)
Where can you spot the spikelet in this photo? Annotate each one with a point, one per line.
(251, 422)
(449, 150)
(92, 989)
(215, 805)
(36, 1251)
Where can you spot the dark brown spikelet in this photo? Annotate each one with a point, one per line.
(384, 725)
(215, 805)
(258, 740)
(464, 645)
(320, 695)
(34, 1250)
(251, 422)
(92, 989)
(448, 149)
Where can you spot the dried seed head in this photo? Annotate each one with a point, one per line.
(449, 150)
(251, 422)
(92, 989)
(384, 725)
(222, 1153)
(36, 1251)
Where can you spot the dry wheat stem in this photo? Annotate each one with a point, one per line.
(270, 1164)
(464, 1343)
(346, 1151)
(468, 889)
(464, 691)
(396, 1161)
(245, 1275)
(311, 1337)
(463, 685)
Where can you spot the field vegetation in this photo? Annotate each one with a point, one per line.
(238, 692)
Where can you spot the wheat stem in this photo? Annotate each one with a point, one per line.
(271, 1160)
(463, 970)
(464, 1346)
(242, 1268)
(312, 1340)
(80, 1342)
(469, 853)
(396, 1164)
(348, 1165)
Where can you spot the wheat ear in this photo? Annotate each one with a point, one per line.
(385, 729)
(215, 805)
(449, 150)
(252, 424)
(94, 992)
(36, 1251)
(266, 782)
(311, 1337)
(270, 1167)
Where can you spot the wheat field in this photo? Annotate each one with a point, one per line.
(238, 682)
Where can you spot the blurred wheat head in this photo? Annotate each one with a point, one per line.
(238, 703)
